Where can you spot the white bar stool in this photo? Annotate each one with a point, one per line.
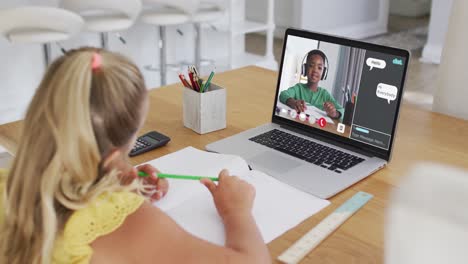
(38, 24)
(208, 11)
(105, 16)
(163, 13)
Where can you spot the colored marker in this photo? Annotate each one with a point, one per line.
(208, 82)
(184, 81)
(179, 177)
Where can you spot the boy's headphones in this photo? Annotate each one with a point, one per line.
(325, 60)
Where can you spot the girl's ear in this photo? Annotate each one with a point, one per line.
(112, 158)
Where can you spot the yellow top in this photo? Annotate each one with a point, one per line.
(103, 215)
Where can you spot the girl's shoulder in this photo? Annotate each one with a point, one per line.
(100, 217)
(104, 214)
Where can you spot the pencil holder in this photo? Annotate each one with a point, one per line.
(205, 112)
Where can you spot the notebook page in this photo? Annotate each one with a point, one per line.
(191, 161)
(277, 208)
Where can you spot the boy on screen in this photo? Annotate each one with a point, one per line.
(298, 95)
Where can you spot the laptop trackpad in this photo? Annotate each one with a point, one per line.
(274, 162)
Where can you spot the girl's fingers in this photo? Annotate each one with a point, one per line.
(162, 186)
(210, 185)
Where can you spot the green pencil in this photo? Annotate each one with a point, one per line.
(207, 83)
(174, 176)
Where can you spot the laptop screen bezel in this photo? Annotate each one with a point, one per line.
(371, 150)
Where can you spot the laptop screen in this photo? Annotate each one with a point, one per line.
(345, 89)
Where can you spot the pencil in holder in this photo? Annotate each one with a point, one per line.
(205, 112)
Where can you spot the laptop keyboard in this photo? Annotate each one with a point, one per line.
(307, 150)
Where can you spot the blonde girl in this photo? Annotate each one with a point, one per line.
(71, 196)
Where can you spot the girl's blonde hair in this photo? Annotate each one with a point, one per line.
(79, 114)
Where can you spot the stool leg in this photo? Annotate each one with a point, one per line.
(197, 45)
(47, 54)
(162, 54)
(104, 40)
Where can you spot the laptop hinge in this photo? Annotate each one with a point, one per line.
(327, 140)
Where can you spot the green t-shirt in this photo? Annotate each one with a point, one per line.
(301, 91)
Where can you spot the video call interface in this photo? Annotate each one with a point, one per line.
(343, 90)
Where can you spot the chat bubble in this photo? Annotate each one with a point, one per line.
(387, 92)
(379, 64)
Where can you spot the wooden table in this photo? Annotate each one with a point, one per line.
(421, 136)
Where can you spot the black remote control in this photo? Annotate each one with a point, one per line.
(149, 141)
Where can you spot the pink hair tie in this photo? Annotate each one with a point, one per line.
(96, 62)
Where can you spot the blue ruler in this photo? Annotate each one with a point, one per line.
(316, 235)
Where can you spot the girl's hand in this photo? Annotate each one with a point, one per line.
(232, 196)
(161, 186)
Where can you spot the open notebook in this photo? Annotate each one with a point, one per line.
(277, 207)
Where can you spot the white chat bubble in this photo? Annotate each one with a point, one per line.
(387, 92)
(372, 62)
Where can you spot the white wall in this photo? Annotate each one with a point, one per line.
(411, 8)
(354, 19)
(332, 51)
(440, 12)
(286, 13)
(20, 77)
(23, 65)
(335, 13)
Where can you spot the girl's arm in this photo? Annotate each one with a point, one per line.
(151, 236)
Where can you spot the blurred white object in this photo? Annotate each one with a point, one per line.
(36, 24)
(438, 26)
(427, 221)
(451, 76)
(105, 16)
(207, 12)
(163, 14)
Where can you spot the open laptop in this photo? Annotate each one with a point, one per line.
(334, 115)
